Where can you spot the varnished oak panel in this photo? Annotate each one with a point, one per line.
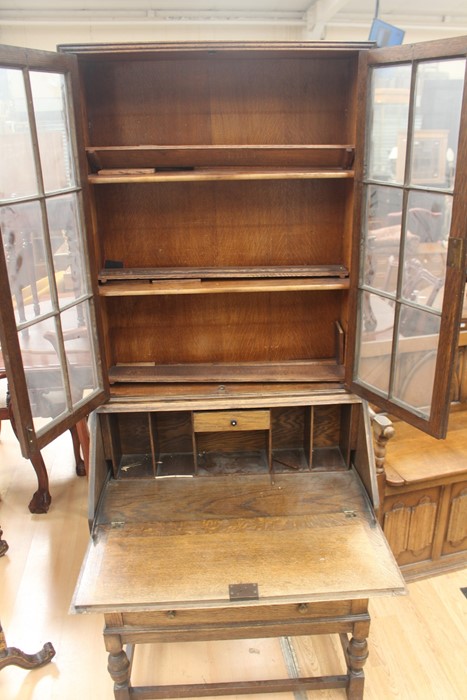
(127, 397)
(305, 157)
(224, 224)
(298, 371)
(229, 328)
(207, 100)
(291, 537)
(424, 509)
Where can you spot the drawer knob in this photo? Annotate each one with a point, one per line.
(303, 608)
(233, 423)
(171, 614)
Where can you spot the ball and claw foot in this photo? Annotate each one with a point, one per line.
(80, 468)
(40, 501)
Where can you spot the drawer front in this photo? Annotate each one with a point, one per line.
(255, 614)
(220, 421)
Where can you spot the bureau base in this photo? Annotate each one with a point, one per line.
(124, 630)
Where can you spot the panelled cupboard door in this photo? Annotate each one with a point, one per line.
(48, 319)
(410, 230)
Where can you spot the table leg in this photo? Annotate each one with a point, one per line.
(119, 667)
(356, 654)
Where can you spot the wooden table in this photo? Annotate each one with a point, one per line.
(235, 557)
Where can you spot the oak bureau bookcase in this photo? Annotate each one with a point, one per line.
(221, 252)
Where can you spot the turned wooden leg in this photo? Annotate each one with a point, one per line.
(42, 499)
(12, 656)
(356, 654)
(80, 468)
(119, 667)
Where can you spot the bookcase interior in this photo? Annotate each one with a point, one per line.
(222, 193)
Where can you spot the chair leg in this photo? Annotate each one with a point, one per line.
(42, 499)
(80, 466)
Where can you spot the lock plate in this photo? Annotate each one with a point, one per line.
(243, 591)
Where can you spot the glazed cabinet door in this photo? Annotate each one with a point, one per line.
(410, 230)
(48, 319)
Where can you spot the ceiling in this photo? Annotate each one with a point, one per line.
(313, 16)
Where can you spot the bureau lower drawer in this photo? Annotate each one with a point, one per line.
(220, 421)
(255, 614)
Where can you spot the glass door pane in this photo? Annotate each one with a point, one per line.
(44, 246)
(18, 177)
(413, 116)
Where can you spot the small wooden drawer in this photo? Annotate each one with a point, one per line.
(220, 421)
(237, 615)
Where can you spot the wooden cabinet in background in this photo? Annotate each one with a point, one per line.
(424, 508)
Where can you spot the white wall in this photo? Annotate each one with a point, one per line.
(43, 37)
(47, 37)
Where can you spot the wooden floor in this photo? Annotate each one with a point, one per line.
(418, 643)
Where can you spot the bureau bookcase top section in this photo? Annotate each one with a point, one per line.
(222, 194)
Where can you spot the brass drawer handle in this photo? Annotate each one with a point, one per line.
(171, 614)
(303, 608)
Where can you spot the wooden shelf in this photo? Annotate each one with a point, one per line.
(223, 372)
(152, 288)
(113, 274)
(220, 174)
(117, 282)
(217, 161)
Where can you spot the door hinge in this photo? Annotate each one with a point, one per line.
(117, 524)
(30, 434)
